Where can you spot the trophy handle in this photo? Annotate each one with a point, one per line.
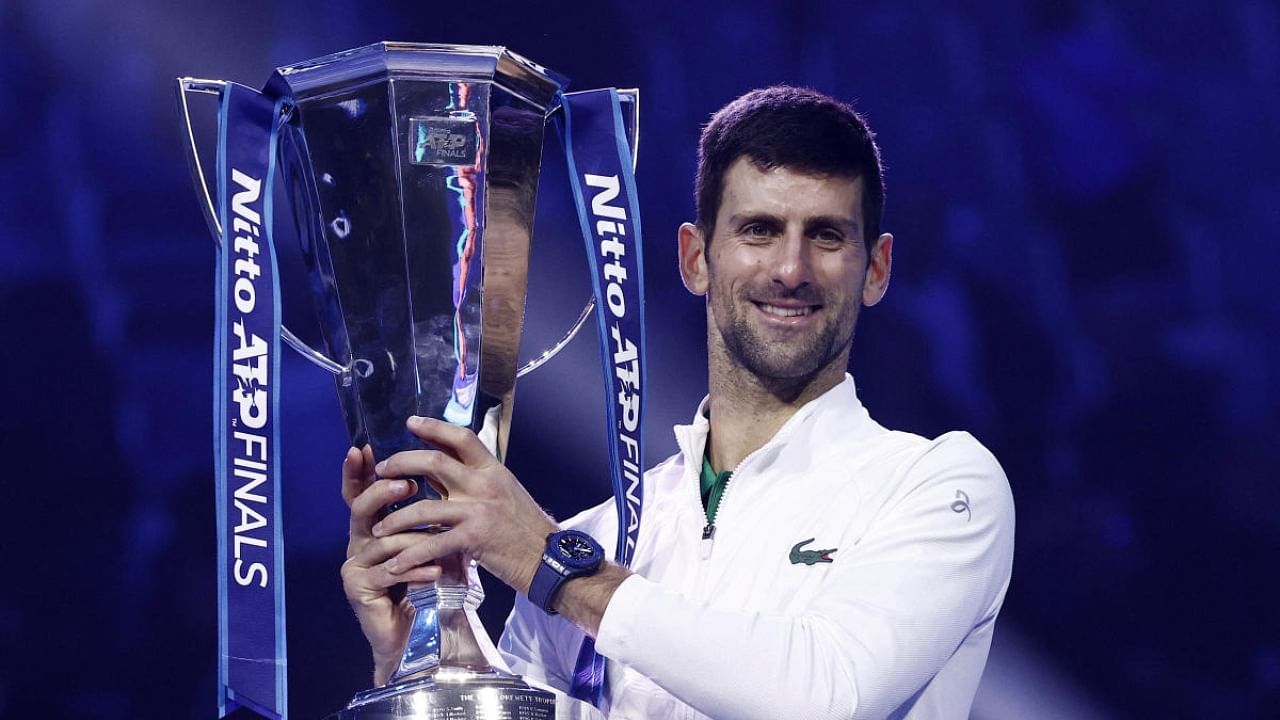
(205, 87)
(207, 205)
(629, 100)
(555, 349)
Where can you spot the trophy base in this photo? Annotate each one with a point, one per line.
(453, 695)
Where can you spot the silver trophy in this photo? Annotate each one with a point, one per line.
(412, 173)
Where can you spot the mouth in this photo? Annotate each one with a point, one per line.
(786, 312)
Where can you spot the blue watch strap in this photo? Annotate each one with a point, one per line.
(545, 583)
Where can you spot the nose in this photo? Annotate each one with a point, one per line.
(792, 265)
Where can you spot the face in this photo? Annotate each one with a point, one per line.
(785, 272)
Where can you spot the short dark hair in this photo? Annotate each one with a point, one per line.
(791, 127)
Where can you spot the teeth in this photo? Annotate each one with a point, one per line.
(785, 312)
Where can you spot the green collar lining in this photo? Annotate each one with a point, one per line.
(712, 485)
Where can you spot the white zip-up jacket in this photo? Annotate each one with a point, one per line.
(854, 572)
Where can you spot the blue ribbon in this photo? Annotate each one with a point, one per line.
(246, 433)
(604, 191)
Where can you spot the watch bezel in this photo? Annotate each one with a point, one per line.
(583, 541)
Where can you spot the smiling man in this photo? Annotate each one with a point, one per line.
(797, 559)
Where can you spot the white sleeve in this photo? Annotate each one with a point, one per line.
(531, 647)
(897, 605)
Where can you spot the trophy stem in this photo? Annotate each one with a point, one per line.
(442, 634)
(445, 674)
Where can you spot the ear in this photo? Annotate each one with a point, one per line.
(693, 259)
(876, 282)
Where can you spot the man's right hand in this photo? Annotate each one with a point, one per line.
(365, 579)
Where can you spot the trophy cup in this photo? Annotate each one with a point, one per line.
(412, 172)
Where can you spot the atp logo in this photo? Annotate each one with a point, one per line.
(441, 139)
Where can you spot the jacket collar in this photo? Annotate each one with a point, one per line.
(839, 403)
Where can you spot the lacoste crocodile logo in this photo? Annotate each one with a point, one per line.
(810, 557)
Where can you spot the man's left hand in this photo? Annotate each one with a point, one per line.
(491, 516)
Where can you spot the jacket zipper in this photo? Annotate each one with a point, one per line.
(709, 530)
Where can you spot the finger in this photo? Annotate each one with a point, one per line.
(378, 551)
(424, 513)
(459, 441)
(431, 547)
(365, 507)
(353, 475)
(374, 581)
(421, 574)
(433, 464)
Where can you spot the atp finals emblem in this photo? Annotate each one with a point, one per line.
(443, 140)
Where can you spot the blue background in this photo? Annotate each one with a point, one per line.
(1085, 199)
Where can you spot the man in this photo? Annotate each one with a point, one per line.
(840, 570)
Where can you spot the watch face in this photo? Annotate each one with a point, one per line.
(575, 548)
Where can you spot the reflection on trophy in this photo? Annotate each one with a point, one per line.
(412, 174)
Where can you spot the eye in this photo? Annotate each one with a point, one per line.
(757, 231)
(829, 237)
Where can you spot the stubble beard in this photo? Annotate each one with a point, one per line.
(783, 362)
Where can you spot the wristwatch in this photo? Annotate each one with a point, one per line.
(569, 554)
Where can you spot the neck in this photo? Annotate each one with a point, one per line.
(747, 410)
